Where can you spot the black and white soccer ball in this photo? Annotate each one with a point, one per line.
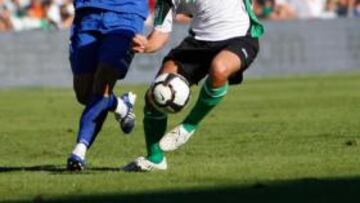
(169, 93)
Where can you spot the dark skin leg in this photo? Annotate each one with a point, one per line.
(101, 82)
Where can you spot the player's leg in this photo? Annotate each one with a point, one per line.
(153, 117)
(83, 60)
(227, 65)
(120, 28)
(155, 124)
(114, 60)
(82, 84)
(214, 89)
(117, 51)
(112, 66)
(102, 100)
(155, 158)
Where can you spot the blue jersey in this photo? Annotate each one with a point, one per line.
(138, 7)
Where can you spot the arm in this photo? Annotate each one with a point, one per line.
(163, 21)
(154, 42)
(184, 12)
(183, 18)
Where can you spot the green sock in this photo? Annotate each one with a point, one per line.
(209, 97)
(154, 128)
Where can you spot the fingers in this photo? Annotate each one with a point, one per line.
(140, 39)
(139, 43)
(137, 49)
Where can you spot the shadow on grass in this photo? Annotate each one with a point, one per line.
(51, 168)
(339, 190)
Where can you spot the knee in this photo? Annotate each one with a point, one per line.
(82, 96)
(219, 71)
(83, 87)
(105, 79)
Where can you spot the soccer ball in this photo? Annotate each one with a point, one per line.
(169, 93)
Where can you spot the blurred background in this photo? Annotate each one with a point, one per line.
(302, 36)
(19, 15)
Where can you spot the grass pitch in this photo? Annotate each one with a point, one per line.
(271, 140)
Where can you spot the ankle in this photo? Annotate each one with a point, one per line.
(189, 127)
(80, 150)
(155, 158)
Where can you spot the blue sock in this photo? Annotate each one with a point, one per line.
(93, 118)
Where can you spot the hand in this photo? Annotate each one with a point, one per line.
(139, 43)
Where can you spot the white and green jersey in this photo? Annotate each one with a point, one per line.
(213, 20)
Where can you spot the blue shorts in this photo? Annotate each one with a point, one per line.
(102, 37)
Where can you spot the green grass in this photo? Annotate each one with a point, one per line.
(290, 139)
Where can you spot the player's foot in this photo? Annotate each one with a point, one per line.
(127, 118)
(141, 164)
(75, 163)
(175, 138)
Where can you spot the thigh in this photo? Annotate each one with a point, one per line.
(83, 60)
(115, 52)
(101, 82)
(104, 79)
